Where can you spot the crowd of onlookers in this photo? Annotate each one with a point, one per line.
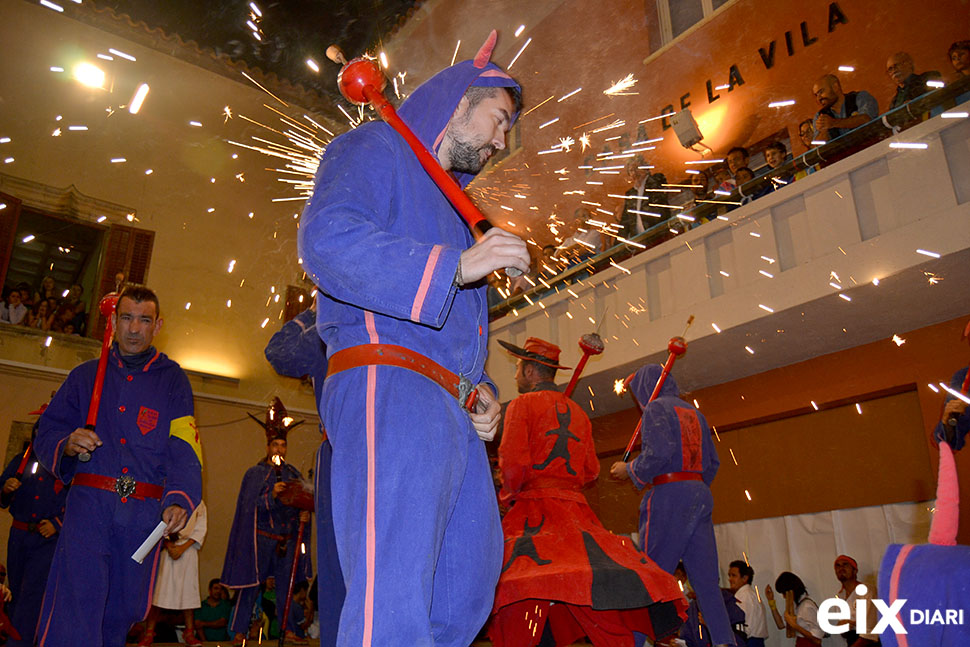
(45, 308)
(790, 607)
(211, 620)
(654, 209)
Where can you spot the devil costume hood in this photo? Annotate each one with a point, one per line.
(369, 239)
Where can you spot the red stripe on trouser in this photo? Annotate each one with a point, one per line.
(371, 540)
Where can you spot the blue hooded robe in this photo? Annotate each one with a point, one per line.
(296, 350)
(414, 510)
(675, 518)
(40, 497)
(95, 591)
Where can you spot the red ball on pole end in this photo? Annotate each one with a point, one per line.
(108, 303)
(677, 346)
(591, 344)
(357, 75)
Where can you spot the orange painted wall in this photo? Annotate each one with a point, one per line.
(929, 355)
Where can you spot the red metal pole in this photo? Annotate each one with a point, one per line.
(677, 347)
(23, 461)
(107, 307)
(590, 344)
(289, 589)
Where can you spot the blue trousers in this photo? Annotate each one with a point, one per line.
(271, 563)
(414, 511)
(330, 581)
(675, 524)
(95, 591)
(29, 558)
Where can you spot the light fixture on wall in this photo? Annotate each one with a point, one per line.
(89, 74)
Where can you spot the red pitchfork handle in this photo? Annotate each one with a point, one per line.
(677, 347)
(289, 590)
(107, 307)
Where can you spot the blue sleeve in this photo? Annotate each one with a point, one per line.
(183, 461)
(348, 248)
(658, 445)
(65, 413)
(296, 349)
(7, 497)
(866, 104)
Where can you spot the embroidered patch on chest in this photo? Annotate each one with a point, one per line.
(147, 419)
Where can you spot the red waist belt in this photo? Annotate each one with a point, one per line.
(673, 477)
(459, 387)
(23, 525)
(124, 486)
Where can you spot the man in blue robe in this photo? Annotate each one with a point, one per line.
(145, 464)
(36, 502)
(677, 458)
(403, 314)
(262, 540)
(295, 351)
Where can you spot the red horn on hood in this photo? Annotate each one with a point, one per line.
(485, 53)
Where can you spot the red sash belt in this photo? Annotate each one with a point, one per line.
(272, 536)
(673, 477)
(23, 525)
(124, 486)
(390, 355)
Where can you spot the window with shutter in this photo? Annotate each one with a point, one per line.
(126, 257)
(9, 216)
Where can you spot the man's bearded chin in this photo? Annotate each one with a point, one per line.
(466, 157)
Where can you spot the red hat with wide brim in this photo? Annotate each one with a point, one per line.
(536, 350)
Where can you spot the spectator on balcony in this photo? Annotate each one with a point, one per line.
(74, 297)
(909, 84)
(737, 158)
(13, 310)
(633, 223)
(24, 288)
(959, 54)
(724, 180)
(839, 112)
(41, 318)
(742, 177)
(586, 241)
(806, 134)
(775, 155)
(46, 290)
(63, 319)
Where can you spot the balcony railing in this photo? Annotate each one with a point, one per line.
(876, 130)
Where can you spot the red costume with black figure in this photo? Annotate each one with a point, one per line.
(561, 567)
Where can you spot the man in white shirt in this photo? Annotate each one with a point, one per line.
(740, 576)
(847, 571)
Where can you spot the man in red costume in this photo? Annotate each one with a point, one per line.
(564, 575)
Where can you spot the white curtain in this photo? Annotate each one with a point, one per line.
(807, 545)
